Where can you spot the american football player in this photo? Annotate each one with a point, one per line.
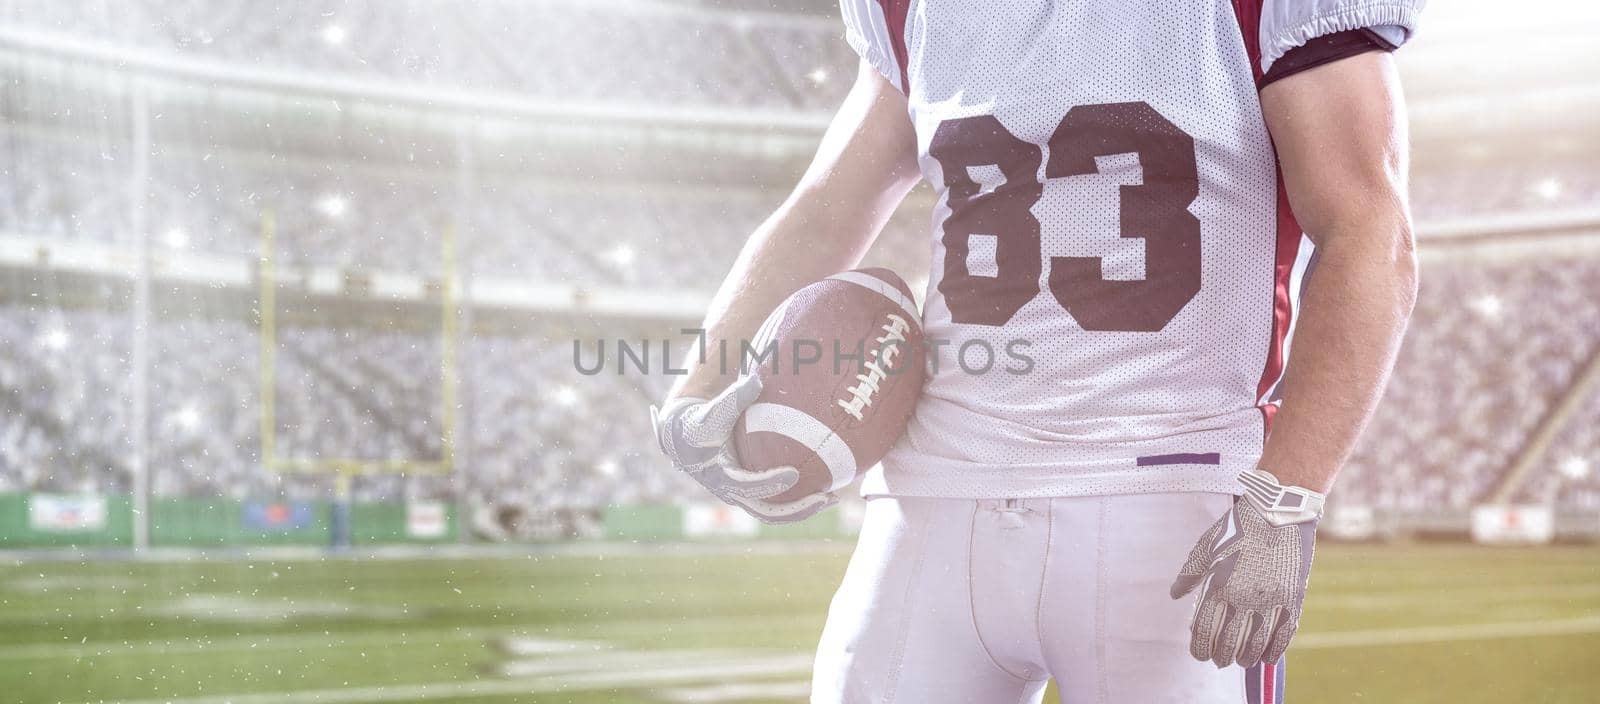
(1160, 198)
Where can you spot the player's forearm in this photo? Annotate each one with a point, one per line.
(1339, 129)
(808, 238)
(1354, 312)
(863, 168)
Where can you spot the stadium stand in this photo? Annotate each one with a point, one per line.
(1464, 190)
(544, 429)
(1494, 338)
(559, 50)
(1489, 342)
(1570, 480)
(1490, 345)
(534, 230)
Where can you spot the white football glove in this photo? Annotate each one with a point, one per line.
(1253, 563)
(695, 434)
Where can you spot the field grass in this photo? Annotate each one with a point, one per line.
(659, 624)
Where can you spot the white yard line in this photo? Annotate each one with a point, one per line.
(510, 633)
(582, 548)
(1443, 634)
(798, 690)
(1457, 595)
(262, 642)
(650, 669)
(530, 647)
(622, 660)
(271, 642)
(751, 667)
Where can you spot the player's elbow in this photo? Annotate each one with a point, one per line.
(1406, 268)
(1374, 249)
(1393, 250)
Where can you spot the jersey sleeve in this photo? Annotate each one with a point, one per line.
(876, 30)
(1287, 24)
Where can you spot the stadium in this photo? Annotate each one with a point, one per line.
(313, 316)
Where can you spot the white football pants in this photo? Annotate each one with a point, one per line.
(959, 601)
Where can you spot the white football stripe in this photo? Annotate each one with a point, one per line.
(805, 429)
(886, 289)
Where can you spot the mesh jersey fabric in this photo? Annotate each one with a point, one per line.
(1115, 271)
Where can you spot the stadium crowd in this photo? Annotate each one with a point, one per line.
(1495, 340)
(558, 233)
(555, 50)
(1492, 345)
(535, 425)
(1569, 478)
(553, 233)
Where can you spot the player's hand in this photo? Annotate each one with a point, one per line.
(1251, 566)
(696, 433)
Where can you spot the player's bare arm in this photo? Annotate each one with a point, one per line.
(1340, 135)
(862, 170)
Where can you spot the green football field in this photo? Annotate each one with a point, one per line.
(704, 624)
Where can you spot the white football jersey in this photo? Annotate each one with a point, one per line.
(1115, 269)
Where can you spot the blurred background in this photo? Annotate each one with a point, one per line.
(288, 301)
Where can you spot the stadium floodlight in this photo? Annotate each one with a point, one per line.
(622, 255)
(1548, 188)
(565, 396)
(1488, 305)
(818, 75)
(607, 467)
(333, 205)
(55, 339)
(175, 238)
(333, 34)
(187, 418)
(1574, 468)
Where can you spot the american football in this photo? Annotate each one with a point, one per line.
(840, 372)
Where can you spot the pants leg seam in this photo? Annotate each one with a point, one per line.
(897, 661)
(1103, 685)
(972, 606)
(1044, 580)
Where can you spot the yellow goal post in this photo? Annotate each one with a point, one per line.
(344, 469)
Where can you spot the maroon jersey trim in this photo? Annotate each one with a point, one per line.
(1248, 13)
(894, 14)
(1287, 237)
(1288, 250)
(1324, 50)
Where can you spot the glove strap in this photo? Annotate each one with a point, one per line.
(1281, 505)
